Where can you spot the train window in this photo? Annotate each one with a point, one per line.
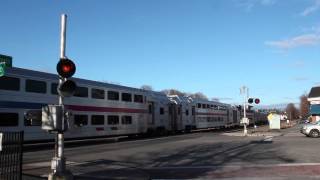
(126, 120)
(97, 119)
(150, 108)
(170, 110)
(113, 95)
(36, 86)
(35, 121)
(113, 120)
(204, 106)
(211, 106)
(126, 97)
(208, 106)
(97, 93)
(81, 92)
(80, 120)
(54, 87)
(9, 119)
(138, 98)
(161, 110)
(208, 119)
(9, 83)
(193, 111)
(199, 105)
(187, 112)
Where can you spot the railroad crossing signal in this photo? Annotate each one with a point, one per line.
(66, 68)
(255, 100)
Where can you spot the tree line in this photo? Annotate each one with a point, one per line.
(197, 95)
(291, 110)
(301, 112)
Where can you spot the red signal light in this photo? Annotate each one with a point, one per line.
(257, 101)
(66, 68)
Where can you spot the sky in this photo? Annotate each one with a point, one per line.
(209, 46)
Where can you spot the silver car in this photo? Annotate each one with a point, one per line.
(311, 129)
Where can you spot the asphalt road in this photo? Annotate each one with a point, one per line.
(284, 154)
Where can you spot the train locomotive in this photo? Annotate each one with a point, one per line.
(103, 109)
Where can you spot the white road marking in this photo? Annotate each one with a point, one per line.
(236, 166)
(268, 139)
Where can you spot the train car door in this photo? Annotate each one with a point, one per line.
(173, 116)
(179, 118)
(151, 116)
(235, 116)
(193, 114)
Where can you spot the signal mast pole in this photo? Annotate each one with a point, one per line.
(245, 92)
(58, 163)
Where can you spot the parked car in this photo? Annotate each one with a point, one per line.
(311, 129)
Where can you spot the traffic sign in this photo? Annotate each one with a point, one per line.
(2, 69)
(6, 59)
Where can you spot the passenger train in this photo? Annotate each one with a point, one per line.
(102, 109)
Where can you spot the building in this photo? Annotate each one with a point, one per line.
(314, 99)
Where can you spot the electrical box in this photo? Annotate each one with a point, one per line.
(53, 118)
(244, 121)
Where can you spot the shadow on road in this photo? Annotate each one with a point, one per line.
(191, 162)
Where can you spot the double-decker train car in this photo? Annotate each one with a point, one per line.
(98, 109)
(210, 114)
(102, 109)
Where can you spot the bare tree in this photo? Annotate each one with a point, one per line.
(146, 87)
(292, 111)
(304, 106)
(199, 95)
(173, 92)
(215, 99)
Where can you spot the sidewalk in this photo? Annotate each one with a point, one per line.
(265, 131)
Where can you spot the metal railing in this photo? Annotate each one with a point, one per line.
(11, 155)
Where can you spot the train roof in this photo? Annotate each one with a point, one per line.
(180, 99)
(27, 73)
(49, 76)
(197, 100)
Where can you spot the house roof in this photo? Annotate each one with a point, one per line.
(314, 92)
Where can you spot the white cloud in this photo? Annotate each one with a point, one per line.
(249, 4)
(302, 40)
(267, 2)
(300, 78)
(311, 9)
(298, 64)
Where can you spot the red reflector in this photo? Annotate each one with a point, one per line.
(100, 129)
